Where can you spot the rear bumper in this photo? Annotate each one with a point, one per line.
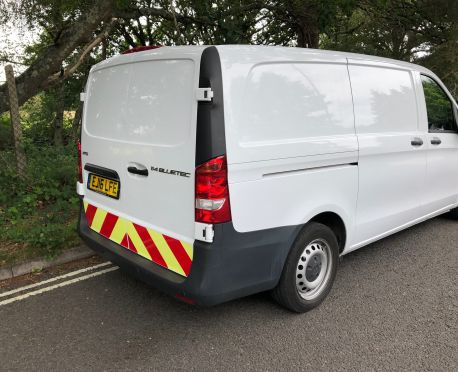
(234, 265)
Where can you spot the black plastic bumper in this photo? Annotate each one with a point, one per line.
(234, 265)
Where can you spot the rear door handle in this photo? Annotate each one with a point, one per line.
(416, 142)
(436, 141)
(135, 170)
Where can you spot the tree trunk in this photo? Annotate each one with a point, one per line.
(104, 49)
(308, 30)
(59, 118)
(308, 35)
(77, 121)
(16, 122)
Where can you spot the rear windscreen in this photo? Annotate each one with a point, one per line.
(145, 102)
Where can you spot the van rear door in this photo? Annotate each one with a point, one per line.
(138, 146)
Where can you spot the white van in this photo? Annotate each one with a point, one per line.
(215, 172)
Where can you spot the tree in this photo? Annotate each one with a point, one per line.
(300, 22)
(77, 31)
(404, 30)
(74, 32)
(421, 31)
(72, 29)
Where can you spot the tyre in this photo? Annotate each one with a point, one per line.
(309, 270)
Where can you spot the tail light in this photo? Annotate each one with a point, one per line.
(212, 192)
(80, 164)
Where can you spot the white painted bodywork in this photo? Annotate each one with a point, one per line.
(293, 135)
(141, 110)
(391, 170)
(306, 131)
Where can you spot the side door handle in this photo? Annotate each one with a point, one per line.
(436, 141)
(135, 170)
(416, 142)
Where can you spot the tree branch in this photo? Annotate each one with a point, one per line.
(126, 35)
(81, 57)
(7, 60)
(31, 81)
(161, 13)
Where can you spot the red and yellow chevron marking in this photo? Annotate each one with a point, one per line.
(173, 254)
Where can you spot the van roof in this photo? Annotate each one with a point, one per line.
(306, 54)
(259, 54)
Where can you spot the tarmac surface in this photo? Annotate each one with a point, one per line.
(394, 306)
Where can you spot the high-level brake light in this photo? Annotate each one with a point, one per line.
(141, 49)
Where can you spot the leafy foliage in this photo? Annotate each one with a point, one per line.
(6, 138)
(440, 111)
(418, 31)
(41, 212)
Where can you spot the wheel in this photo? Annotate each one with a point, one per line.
(453, 214)
(309, 270)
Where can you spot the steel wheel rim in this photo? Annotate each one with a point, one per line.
(313, 269)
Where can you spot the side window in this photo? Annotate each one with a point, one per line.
(285, 102)
(440, 109)
(384, 100)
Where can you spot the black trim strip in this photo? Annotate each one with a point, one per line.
(101, 171)
(210, 136)
(354, 164)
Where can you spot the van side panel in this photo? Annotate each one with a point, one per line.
(392, 168)
(291, 144)
(286, 110)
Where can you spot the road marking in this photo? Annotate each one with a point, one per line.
(68, 275)
(56, 286)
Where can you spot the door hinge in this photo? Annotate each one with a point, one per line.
(204, 94)
(204, 232)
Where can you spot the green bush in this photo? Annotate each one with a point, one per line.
(6, 140)
(40, 212)
(37, 215)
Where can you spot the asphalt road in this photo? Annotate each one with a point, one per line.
(394, 306)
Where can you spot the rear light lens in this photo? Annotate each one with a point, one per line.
(141, 49)
(80, 164)
(212, 192)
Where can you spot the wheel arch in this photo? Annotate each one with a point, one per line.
(335, 223)
(328, 217)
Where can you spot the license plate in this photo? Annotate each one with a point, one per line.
(103, 185)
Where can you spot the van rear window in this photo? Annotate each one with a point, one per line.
(145, 102)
